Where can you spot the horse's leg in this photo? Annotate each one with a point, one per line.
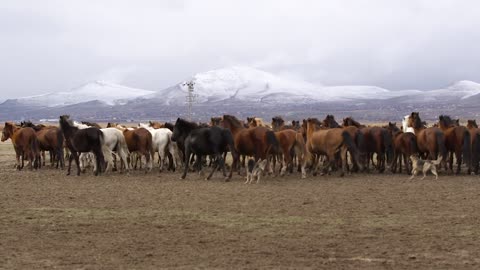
(343, 156)
(216, 162)
(393, 167)
(161, 157)
(77, 161)
(450, 162)
(70, 158)
(187, 162)
(458, 156)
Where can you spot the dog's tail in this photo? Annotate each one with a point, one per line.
(438, 160)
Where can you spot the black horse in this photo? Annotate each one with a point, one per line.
(82, 140)
(203, 141)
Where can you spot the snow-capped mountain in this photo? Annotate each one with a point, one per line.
(249, 84)
(105, 92)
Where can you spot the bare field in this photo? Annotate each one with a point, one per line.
(137, 221)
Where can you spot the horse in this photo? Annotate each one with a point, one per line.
(91, 124)
(215, 121)
(162, 143)
(330, 122)
(50, 138)
(259, 142)
(256, 122)
(25, 143)
(405, 127)
(349, 121)
(291, 142)
(475, 142)
(377, 140)
(213, 141)
(279, 124)
(139, 141)
(457, 140)
(430, 141)
(83, 141)
(155, 125)
(329, 142)
(115, 141)
(404, 145)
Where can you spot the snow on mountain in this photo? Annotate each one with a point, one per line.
(108, 93)
(249, 84)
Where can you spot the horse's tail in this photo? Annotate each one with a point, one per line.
(348, 141)
(272, 141)
(441, 144)
(467, 149)
(122, 149)
(231, 145)
(476, 152)
(105, 155)
(413, 144)
(35, 153)
(59, 150)
(388, 144)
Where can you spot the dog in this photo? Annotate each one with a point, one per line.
(255, 170)
(424, 166)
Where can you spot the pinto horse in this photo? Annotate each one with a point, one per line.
(457, 140)
(404, 145)
(25, 144)
(83, 141)
(259, 142)
(213, 141)
(50, 138)
(329, 142)
(475, 140)
(430, 141)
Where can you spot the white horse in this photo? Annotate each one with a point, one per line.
(161, 143)
(405, 126)
(115, 141)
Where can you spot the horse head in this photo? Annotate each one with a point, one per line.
(278, 122)
(472, 124)
(7, 131)
(216, 121)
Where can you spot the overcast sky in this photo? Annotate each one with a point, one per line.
(58, 45)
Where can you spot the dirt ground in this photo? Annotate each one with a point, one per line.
(137, 221)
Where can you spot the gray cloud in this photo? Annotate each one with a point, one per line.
(56, 45)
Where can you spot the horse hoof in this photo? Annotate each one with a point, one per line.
(227, 179)
(342, 175)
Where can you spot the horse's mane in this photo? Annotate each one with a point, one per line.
(184, 124)
(416, 121)
(233, 120)
(445, 120)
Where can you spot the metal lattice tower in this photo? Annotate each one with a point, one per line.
(190, 98)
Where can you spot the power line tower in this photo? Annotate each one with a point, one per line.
(190, 98)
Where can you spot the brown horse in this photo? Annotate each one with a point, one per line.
(259, 142)
(291, 142)
(256, 122)
(430, 141)
(404, 145)
(329, 142)
(279, 124)
(349, 121)
(50, 138)
(25, 144)
(457, 141)
(91, 124)
(139, 141)
(215, 121)
(475, 140)
(377, 140)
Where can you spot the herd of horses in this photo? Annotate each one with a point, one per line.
(306, 146)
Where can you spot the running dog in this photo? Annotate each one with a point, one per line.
(420, 165)
(255, 170)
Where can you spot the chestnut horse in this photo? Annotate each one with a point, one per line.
(50, 138)
(25, 144)
(259, 142)
(377, 140)
(404, 145)
(430, 141)
(457, 140)
(139, 141)
(329, 142)
(475, 140)
(291, 142)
